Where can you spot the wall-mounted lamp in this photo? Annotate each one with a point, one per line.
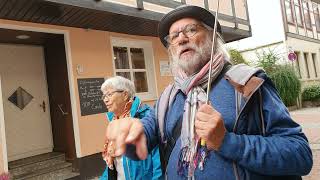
(22, 36)
(79, 69)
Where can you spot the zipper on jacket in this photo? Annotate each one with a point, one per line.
(235, 167)
(235, 171)
(238, 100)
(237, 119)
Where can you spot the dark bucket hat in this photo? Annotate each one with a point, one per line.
(185, 11)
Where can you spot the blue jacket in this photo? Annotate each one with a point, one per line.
(284, 151)
(148, 169)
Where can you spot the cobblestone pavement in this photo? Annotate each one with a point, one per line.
(309, 119)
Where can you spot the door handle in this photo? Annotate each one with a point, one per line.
(60, 107)
(43, 105)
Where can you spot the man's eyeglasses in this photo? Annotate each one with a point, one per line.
(189, 31)
(110, 94)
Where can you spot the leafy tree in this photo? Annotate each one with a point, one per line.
(236, 57)
(267, 60)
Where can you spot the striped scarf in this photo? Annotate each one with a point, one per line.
(193, 86)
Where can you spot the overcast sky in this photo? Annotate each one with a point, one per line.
(266, 23)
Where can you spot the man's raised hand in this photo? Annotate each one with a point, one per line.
(127, 131)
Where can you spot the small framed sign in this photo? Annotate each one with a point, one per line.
(165, 68)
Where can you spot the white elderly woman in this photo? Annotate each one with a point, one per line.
(121, 102)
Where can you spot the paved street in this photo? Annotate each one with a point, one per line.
(309, 119)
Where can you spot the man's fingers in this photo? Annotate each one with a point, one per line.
(202, 134)
(137, 137)
(201, 124)
(135, 131)
(117, 132)
(120, 143)
(204, 117)
(127, 131)
(112, 130)
(141, 147)
(205, 108)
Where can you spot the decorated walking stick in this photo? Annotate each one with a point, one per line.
(214, 34)
(203, 152)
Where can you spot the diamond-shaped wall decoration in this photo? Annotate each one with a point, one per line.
(20, 98)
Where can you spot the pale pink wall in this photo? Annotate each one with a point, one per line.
(92, 50)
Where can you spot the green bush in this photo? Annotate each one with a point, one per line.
(267, 60)
(311, 93)
(283, 76)
(236, 57)
(286, 82)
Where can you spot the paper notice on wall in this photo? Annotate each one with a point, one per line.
(165, 68)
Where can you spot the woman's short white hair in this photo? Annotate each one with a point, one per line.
(119, 83)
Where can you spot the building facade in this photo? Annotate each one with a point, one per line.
(54, 56)
(293, 26)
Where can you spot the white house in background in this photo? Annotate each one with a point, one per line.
(285, 26)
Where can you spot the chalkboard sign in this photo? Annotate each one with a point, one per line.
(90, 96)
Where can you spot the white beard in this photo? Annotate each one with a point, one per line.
(192, 63)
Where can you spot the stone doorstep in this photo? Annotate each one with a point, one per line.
(61, 174)
(44, 171)
(48, 166)
(35, 159)
(31, 168)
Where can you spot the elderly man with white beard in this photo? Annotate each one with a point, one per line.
(245, 132)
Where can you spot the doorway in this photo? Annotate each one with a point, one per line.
(57, 128)
(25, 101)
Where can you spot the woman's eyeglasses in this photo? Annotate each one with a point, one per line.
(110, 94)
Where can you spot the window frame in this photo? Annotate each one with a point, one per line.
(307, 8)
(299, 7)
(292, 12)
(314, 58)
(315, 8)
(297, 64)
(306, 63)
(149, 64)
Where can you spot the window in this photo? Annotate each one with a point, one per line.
(133, 59)
(297, 7)
(289, 11)
(306, 12)
(297, 62)
(305, 55)
(315, 64)
(316, 15)
(21, 98)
